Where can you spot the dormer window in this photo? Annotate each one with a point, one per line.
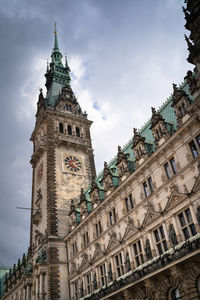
(61, 128)
(78, 132)
(68, 107)
(69, 129)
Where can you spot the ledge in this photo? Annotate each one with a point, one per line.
(150, 266)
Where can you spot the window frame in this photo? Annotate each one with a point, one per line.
(102, 273)
(119, 265)
(160, 240)
(170, 167)
(138, 253)
(88, 283)
(98, 228)
(196, 141)
(112, 216)
(148, 186)
(189, 226)
(86, 239)
(129, 202)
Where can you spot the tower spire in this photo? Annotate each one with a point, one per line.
(56, 48)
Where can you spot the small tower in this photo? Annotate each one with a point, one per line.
(63, 163)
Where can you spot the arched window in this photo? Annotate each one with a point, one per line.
(78, 131)
(68, 107)
(175, 295)
(61, 127)
(69, 129)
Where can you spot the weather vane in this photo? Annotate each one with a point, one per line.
(55, 31)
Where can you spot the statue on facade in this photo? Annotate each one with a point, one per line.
(172, 235)
(127, 262)
(148, 250)
(28, 269)
(41, 257)
(95, 281)
(110, 276)
(191, 81)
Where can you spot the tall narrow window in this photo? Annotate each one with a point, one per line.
(76, 290)
(167, 170)
(146, 190)
(193, 149)
(85, 239)
(173, 165)
(98, 228)
(112, 216)
(77, 131)
(119, 265)
(103, 274)
(187, 224)
(150, 182)
(69, 129)
(88, 283)
(61, 128)
(137, 250)
(160, 240)
(129, 202)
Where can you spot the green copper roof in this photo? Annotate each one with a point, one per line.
(3, 271)
(57, 75)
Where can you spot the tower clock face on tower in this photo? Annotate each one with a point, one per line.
(73, 163)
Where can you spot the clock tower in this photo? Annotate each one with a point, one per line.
(63, 163)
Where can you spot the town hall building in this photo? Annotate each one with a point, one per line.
(133, 231)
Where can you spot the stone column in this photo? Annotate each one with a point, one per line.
(41, 293)
(24, 293)
(37, 288)
(166, 235)
(152, 244)
(194, 217)
(28, 291)
(131, 257)
(176, 228)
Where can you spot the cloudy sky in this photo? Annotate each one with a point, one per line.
(124, 56)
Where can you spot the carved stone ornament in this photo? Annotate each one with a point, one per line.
(148, 250)
(73, 269)
(94, 192)
(130, 230)
(178, 94)
(85, 261)
(94, 280)
(172, 235)
(98, 253)
(137, 137)
(122, 163)
(107, 177)
(41, 257)
(28, 269)
(192, 82)
(113, 242)
(127, 262)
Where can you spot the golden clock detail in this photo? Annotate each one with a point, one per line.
(73, 163)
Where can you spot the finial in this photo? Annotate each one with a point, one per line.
(47, 65)
(55, 31)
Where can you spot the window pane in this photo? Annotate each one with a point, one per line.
(137, 261)
(156, 235)
(188, 214)
(135, 249)
(186, 233)
(117, 260)
(150, 184)
(165, 245)
(173, 164)
(193, 148)
(193, 229)
(146, 191)
(139, 246)
(182, 219)
(114, 215)
(127, 206)
(162, 232)
(131, 200)
(198, 140)
(167, 170)
(142, 259)
(160, 249)
(111, 219)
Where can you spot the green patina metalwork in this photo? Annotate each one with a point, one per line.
(3, 271)
(167, 112)
(57, 74)
(41, 257)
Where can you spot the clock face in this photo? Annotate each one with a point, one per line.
(73, 163)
